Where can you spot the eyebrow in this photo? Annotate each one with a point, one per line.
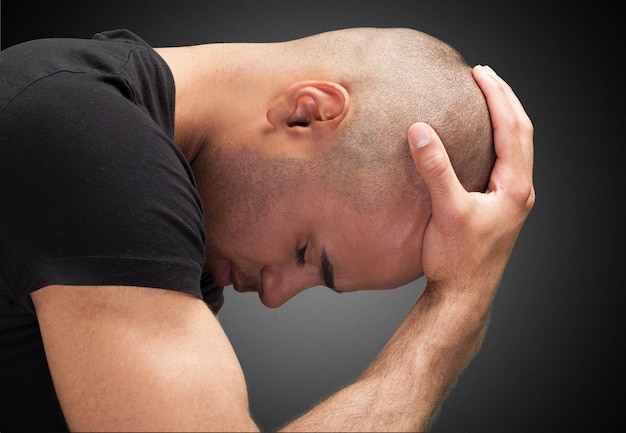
(327, 270)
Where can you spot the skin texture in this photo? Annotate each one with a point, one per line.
(127, 358)
(295, 171)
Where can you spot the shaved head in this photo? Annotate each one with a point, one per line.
(397, 77)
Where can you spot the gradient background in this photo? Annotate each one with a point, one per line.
(553, 355)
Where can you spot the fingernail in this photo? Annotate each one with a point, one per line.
(420, 134)
(489, 69)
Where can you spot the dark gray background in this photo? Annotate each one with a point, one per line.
(553, 355)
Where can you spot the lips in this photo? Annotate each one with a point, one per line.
(224, 275)
(238, 285)
(244, 283)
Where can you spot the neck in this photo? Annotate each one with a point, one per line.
(218, 88)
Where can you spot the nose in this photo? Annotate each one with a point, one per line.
(282, 283)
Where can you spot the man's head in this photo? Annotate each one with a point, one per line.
(315, 185)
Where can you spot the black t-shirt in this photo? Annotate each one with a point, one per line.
(93, 192)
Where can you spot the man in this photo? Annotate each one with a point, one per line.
(286, 166)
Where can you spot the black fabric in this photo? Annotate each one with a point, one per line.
(93, 192)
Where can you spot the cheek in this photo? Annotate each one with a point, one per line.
(400, 264)
(378, 274)
(381, 276)
(252, 242)
(234, 183)
(380, 264)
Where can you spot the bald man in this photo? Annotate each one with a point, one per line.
(141, 181)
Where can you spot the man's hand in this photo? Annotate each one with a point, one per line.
(470, 236)
(467, 244)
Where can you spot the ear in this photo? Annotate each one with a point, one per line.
(316, 105)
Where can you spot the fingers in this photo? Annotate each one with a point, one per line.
(433, 165)
(484, 75)
(513, 136)
(503, 114)
(513, 142)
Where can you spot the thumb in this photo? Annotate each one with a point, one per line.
(433, 164)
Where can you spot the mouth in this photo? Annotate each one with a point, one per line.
(224, 275)
(243, 283)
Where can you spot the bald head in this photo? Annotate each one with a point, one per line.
(397, 77)
(301, 147)
(394, 78)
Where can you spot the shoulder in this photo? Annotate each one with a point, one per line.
(99, 192)
(27, 63)
(119, 59)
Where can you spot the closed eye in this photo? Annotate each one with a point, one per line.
(300, 257)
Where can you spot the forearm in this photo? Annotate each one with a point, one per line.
(407, 381)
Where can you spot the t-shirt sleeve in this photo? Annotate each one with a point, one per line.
(93, 192)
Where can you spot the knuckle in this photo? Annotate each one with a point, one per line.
(524, 195)
(530, 201)
(511, 121)
(459, 213)
(526, 126)
(434, 166)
